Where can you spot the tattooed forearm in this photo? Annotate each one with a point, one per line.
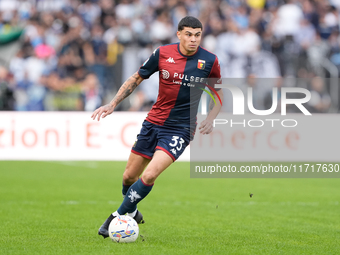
(127, 88)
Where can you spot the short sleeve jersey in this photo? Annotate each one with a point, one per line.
(180, 77)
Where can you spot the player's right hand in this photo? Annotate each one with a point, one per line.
(102, 111)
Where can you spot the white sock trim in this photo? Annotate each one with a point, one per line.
(115, 214)
(133, 214)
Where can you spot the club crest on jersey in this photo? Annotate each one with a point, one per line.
(201, 64)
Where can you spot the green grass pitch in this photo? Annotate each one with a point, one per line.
(57, 208)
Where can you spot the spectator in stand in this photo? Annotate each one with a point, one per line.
(161, 29)
(92, 92)
(320, 99)
(288, 19)
(6, 91)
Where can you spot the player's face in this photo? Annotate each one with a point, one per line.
(189, 40)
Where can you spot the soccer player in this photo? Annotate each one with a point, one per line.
(171, 123)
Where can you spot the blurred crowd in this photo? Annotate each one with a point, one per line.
(74, 54)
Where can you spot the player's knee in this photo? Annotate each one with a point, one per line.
(149, 178)
(129, 178)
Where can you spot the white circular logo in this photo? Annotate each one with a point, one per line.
(165, 74)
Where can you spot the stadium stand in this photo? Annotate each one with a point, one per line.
(72, 55)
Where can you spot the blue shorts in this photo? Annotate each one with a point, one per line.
(153, 137)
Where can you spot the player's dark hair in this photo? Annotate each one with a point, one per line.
(189, 21)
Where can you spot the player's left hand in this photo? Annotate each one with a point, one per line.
(206, 127)
(102, 111)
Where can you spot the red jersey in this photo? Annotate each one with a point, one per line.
(180, 78)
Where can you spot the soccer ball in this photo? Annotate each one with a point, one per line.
(123, 229)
